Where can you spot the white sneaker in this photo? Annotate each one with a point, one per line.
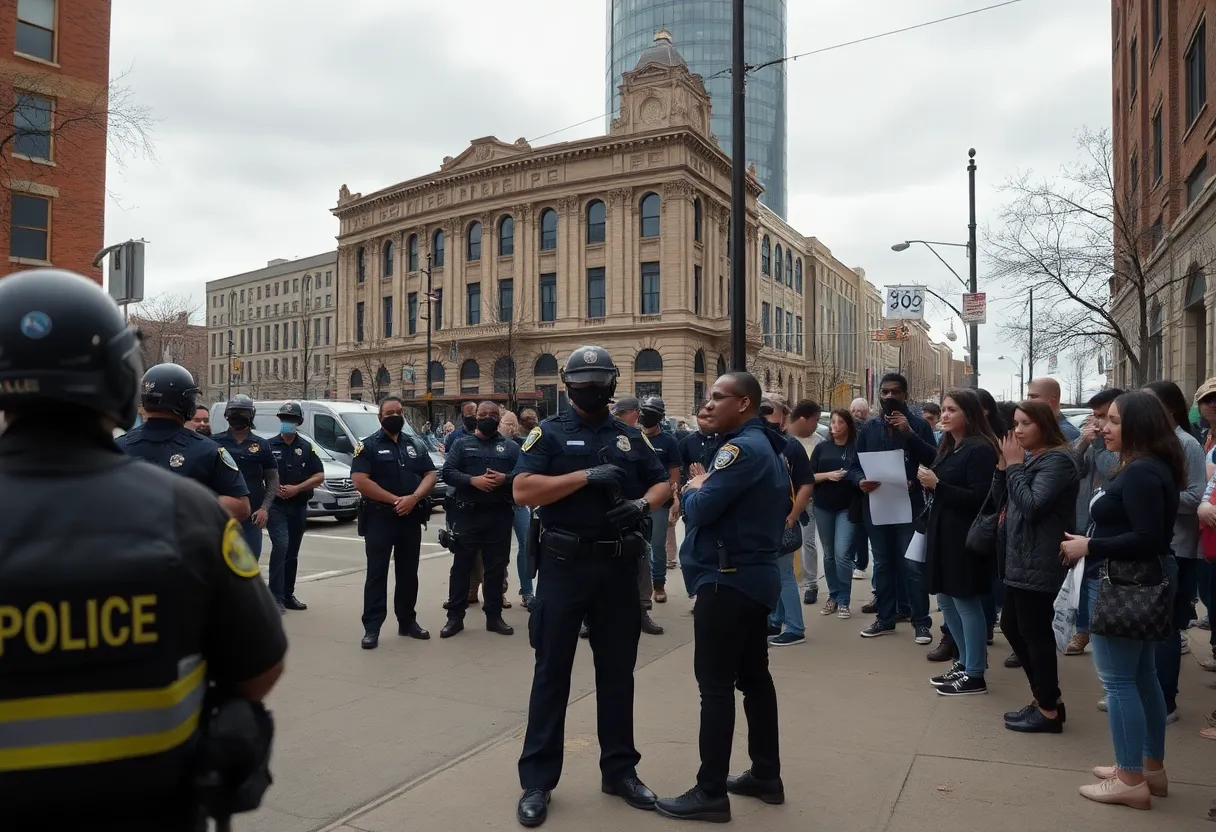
(843, 612)
(859, 575)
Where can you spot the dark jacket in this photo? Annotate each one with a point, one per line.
(919, 448)
(1040, 506)
(964, 478)
(1134, 517)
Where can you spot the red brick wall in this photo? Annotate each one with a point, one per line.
(78, 82)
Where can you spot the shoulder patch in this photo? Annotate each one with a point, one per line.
(227, 459)
(358, 448)
(726, 455)
(533, 438)
(236, 552)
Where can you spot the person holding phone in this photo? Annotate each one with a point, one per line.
(833, 495)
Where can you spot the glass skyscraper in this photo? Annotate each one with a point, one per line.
(701, 31)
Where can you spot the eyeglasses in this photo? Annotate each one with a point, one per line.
(716, 398)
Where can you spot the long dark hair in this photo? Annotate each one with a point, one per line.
(1045, 420)
(847, 418)
(999, 424)
(1148, 434)
(1173, 401)
(977, 427)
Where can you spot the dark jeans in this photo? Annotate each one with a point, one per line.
(1184, 572)
(1026, 622)
(861, 547)
(730, 633)
(253, 537)
(285, 522)
(389, 537)
(604, 592)
(1206, 579)
(485, 530)
(891, 569)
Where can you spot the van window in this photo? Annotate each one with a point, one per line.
(267, 423)
(325, 431)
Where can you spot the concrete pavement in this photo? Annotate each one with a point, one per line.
(425, 735)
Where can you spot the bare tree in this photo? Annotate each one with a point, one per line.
(308, 321)
(372, 358)
(507, 350)
(827, 371)
(1081, 245)
(169, 336)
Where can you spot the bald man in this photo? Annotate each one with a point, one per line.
(1048, 390)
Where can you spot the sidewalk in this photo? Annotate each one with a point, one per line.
(425, 736)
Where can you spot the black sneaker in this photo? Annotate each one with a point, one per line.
(923, 635)
(950, 675)
(773, 630)
(964, 686)
(876, 629)
(811, 596)
(786, 639)
(871, 606)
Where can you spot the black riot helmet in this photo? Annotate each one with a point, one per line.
(240, 405)
(64, 341)
(169, 388)
(291, 412)
(590, 364)
(654, 404)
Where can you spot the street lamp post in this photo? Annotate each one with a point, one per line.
(738, 195)
(971, 253)
(430, 311)
(1021, 374)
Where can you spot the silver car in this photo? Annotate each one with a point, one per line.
(336, 496)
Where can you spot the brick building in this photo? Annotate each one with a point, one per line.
(172, 338)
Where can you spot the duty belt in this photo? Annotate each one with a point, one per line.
(564, 546)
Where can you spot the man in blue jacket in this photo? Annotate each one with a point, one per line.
(734, 513)
(896, 428)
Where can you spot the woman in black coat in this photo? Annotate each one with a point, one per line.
(960, 480)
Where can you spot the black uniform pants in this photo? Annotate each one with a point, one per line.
(286, 522)
(730, 632)
(605, 592)
(484, 530)
(389, 537)
(1026, 624)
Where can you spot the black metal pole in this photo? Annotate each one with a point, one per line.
(971, 250)
(1030, 340)
(430, 405)
(229, 369)
(738, 196)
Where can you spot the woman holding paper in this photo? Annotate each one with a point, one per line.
(959, 481)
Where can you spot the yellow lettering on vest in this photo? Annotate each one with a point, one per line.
(143, 619)
(112, 637)
(44, 610)
(90, 622)
(10, 624)
(66, 642)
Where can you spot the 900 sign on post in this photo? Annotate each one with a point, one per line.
(904, 303)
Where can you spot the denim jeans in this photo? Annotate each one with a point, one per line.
(789, 608)
(1134, 702)
(253, 536)
(838, 535)
(522, 519)
(810, 553)
(1089, 594)
(1184, 573)
(658, 546)
(891, 569)
(969, 628)
(286, 523)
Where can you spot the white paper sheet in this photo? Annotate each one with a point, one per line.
(889, 503)
(916, 549)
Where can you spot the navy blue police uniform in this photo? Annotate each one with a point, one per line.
(297, 461)
(481, 520)
(168, 445)
(667, 449)
(398, 467)
(253, 458)
(588, 569)
(729, 558)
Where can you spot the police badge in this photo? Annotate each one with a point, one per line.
(177, 461)
(622, 442)
(411, 451)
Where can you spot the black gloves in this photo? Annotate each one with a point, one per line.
(629, 514)
(609, 476)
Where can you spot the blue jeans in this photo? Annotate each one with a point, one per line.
(1184, 572)
(969, 629)
(658, 546)
(253, 537)
(521, 521)
(892, 569)
(837, 533)
(286, 523)
(1134, 702)
(789, 608)
(1089, 594)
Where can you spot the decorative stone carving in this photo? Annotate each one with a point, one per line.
(620, 196)
(487, 222)
(568, 205)
(522, 212)
(751, 233)
(677, 190)
(522, 143)
(343, 193)
(483, 152)
(447, 160)
(651, 111)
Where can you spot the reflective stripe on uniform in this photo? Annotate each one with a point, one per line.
(83, 728)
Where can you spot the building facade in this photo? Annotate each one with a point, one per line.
(272, 333)
(702, 29)
(55, 82)
(171, 338)
(1163, 131)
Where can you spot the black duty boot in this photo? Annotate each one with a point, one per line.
(749, 785)
(695, 804)
(648, 626)
(451, 628)
(371, 640)
(497, 625)
(533, 807)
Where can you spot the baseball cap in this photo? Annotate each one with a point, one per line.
(1206, 389)
(625, 404)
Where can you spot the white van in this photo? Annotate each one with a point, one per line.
(336, 425)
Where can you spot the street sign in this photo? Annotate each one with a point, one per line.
(904, 302)
(975, 308)
(236, 366)
(892, 333)
(428, 395)
(1053, 364)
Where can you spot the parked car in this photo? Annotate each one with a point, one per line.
(335, 425)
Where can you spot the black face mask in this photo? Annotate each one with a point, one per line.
(470, 423)
(239, 422)
(393, 424)
(487, 427)
(889, 406)
(775, 427)
(591, 399)
(650, 419)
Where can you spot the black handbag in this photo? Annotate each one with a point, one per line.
(791, 540)
(1135, 600)
(982, 536)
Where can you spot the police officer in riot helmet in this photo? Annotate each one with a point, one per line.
(595, 480)
(124, 590)
(258, 466)
(170, 399)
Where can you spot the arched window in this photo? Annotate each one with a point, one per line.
(360, 264)
(1196, 287)
(504, 374)
(436, 373)
(648, 361)
(411, 248)
(474, 246)
(437, 249)
(548, 230)
(721, 368)
(696, 220)
(789, 269)
(383, 377)
(356, 378)
(506, 237)
(650, 215)
(798, 276)
(766, 265)
(546, 365)
(777, 263)
(597, 222)
(698, 363)
(388, 259)
(470, 375)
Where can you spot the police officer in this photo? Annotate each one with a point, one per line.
(394, 474)
(112, 624)
(481, 517)
(300, 471)
(169, 398)
(595, 480)
(257, 464)
(735, 513)
(651, 415)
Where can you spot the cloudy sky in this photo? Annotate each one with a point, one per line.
(264, 109)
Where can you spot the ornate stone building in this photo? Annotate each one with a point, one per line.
(515, 255)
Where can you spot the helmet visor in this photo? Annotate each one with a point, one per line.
(590, 375)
